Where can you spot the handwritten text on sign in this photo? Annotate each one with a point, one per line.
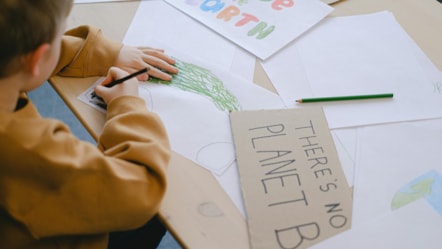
(294, 190)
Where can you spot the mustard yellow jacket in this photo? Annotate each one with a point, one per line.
(59, 192)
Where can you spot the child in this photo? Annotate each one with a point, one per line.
(55, 190)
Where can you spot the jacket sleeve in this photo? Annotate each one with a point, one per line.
(86, 52)
(63, 186)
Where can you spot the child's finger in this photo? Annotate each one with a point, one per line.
(114, 73)
(100, 90)
(106, 81)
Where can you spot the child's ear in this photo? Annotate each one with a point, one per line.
(33, 60)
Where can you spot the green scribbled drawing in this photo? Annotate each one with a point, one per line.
(242, 2)
(195, 79)
(427, 186)
(416, 192)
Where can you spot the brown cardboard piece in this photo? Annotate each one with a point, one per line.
(294, 190)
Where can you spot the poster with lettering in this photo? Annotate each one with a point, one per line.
(261, 27)
(294, 189)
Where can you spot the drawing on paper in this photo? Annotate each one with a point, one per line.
(437, 86)
(213, 100)
(428, 186)
(89, 97)
(202, 81)
(213, 151)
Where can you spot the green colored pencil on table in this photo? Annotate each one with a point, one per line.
(350, 97)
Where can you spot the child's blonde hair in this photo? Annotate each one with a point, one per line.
(24, 26)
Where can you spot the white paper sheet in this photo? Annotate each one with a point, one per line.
(261, 27)
(354, 55)
(414, 226)
(388, 158)
(345, 143)
(196, 116)
(398, 188)
(160, 25)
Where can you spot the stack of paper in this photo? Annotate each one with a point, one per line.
(390, 156)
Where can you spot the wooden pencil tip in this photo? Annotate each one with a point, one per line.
(299, 100)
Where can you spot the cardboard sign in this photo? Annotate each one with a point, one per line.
(295, 192)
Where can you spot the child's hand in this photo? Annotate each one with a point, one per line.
(132, 59)
(127, 88)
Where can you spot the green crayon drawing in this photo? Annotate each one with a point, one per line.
(416, 192)
(193, 78)
(427, 186)
(242, 2)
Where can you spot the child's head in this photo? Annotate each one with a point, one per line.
(24, 26)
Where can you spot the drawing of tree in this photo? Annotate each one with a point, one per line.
(196, 79)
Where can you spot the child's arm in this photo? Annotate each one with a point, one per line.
(86, 52)
(62, 186)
